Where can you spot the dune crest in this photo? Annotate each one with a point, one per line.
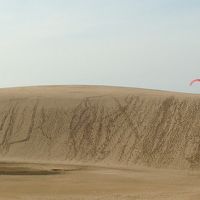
(99, 124)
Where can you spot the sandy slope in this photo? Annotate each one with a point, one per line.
(100, 124)
(96, 125)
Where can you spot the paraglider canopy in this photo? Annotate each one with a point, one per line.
(194, 81)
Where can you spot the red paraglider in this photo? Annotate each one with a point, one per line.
(194, 81)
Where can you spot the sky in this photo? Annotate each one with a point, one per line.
(151, 44)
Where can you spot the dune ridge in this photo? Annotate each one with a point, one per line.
(98, 124)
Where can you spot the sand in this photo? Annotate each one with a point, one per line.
(98, 142)
(89, 182)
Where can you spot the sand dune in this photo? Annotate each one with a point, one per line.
(75, 128)
(100, 125)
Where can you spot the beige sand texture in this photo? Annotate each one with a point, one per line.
(98, 142)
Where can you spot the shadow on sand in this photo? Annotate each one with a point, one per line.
(16, 169)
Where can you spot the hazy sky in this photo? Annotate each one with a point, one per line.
(137, 43)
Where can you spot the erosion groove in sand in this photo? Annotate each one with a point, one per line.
(100, 125)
